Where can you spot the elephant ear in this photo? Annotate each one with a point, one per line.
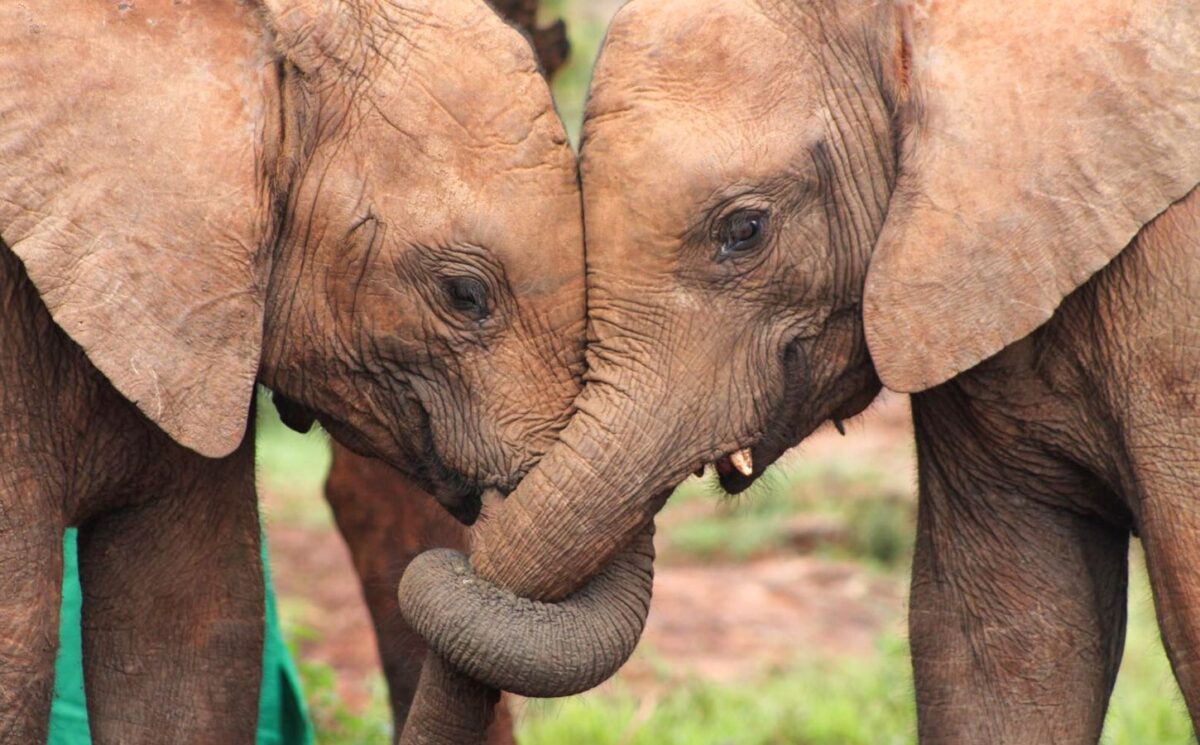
(131, 187)
(1038, 138)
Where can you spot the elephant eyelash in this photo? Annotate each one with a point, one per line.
(741, 233)
(468, 296)
(706, 228)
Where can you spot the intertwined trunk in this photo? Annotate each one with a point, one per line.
(584, 513)
(452, 708)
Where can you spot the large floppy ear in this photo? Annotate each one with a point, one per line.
(132, 187)
(1037, 139)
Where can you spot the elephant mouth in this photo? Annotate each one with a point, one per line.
(465, 508)
(454, 491)
(415, 455)
(739, 470)
(457, 493)
(460, 496)
(794, 419)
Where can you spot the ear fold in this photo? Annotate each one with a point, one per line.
(1038, 139)
(310, 34)
(132, 187)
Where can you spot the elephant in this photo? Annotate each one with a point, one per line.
(990, 206)
(370, 209)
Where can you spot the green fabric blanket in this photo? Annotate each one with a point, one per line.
(282, 715)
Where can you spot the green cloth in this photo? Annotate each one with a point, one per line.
(282, 715)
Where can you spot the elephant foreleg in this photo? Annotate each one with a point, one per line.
(1170, 531)
(30, 593)
(173, 609)
(1017, 614)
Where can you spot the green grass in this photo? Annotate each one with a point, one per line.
(333, 722)
(292, 465)
(820, 701)
(870, 513)
(848, 702)
(1147, 707)
(706, 528)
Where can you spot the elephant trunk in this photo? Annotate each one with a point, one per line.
(602, 483)
(449, 708)
(525, 646)
(583, 517)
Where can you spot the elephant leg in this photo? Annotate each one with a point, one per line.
(386, 522)
(173, 608)
(30, 595)
(1017, 611)
(1170, 531)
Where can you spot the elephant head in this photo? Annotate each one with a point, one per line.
(784, 200)
(371, 208)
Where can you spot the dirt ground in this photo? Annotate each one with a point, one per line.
(714, 621)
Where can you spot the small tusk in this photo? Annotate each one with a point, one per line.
(841, 428)
(743, 462)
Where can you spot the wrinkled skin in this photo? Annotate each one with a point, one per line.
(386, 520)
(769, 186)
(434, 394)
(787, 203)
(372, 210)
(1035, 468)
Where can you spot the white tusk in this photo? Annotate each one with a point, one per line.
(743, 462)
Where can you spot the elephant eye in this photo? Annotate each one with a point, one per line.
(741, 233)
(468, 296)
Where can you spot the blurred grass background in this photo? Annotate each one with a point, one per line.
(844, 510)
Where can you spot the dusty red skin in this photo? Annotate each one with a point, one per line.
(387, 521)
(990, 205)
(302, 194)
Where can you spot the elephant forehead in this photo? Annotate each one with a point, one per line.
(690, 98)
(704, 53)
(672, 152)
(466, 148)
(528, 219)
(460, 83)
(532, 221)
(651, 174)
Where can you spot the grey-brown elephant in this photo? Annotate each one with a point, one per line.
(370, 208)
(990, 205)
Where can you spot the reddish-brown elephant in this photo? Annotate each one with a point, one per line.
(371, 208)
(387, 521)
(993, 206)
